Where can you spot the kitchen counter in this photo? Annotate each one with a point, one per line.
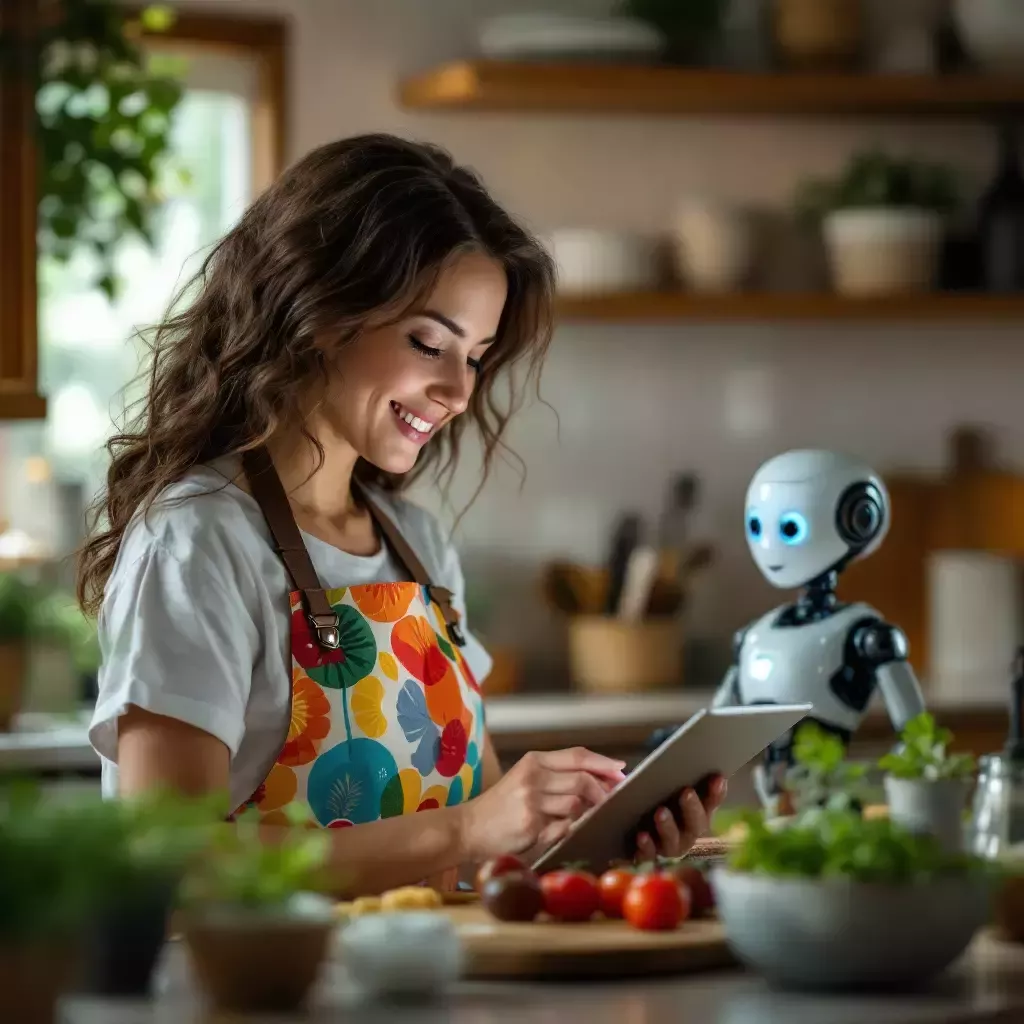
(59, 744)
(987, 985)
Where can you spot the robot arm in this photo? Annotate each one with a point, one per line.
(884, 648)
(728, 693)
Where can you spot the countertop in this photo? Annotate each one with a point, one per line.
(986, 985)
(60, 743)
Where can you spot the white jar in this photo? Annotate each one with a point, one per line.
(883, 251)
(713, 245)
(594, 261)
(992, 32)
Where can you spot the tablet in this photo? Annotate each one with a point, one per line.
(715, 741)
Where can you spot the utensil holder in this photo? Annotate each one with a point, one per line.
(608, 655)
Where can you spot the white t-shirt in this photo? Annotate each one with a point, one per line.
(195, 622)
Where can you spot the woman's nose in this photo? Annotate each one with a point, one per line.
(454, 387)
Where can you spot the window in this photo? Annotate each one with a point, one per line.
(89, 348)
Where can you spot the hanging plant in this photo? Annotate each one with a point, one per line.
(104, 121)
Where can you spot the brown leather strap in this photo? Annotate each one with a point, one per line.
(270, 495)
(405, 554)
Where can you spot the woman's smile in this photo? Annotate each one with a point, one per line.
(411, 425)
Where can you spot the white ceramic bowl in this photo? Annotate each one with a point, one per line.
(992, 32)
(592, 261)
(841, 935)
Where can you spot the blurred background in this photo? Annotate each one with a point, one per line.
(778, 223)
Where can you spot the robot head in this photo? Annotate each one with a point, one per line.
(810, 512)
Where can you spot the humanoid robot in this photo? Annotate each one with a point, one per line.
(809, 514)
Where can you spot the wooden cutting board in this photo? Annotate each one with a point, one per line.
(544, 949)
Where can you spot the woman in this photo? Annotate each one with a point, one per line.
(275, 620)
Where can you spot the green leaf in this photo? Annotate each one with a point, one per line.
(157, 18)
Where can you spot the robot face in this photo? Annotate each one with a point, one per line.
(808, 512)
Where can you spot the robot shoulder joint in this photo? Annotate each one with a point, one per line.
(879, 643)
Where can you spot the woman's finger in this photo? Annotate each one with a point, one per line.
(567, 806)
(582, 784)
(668, 833)
(645, 848)
(716, 795)
(695, 819)
(554, 831)
(579, 759)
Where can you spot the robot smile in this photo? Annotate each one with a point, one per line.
(776, 568)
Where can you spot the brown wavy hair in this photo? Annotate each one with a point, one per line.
(353, 235)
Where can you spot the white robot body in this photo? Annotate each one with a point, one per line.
(797, 665)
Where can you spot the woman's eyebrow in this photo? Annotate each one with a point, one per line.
(452, 326)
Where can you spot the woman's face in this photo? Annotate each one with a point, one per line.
(394, 387)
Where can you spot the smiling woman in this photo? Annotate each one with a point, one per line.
(277, 621)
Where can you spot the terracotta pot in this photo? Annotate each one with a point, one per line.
(819, 33)
(13, 669)
(258, 960)
(33, 978)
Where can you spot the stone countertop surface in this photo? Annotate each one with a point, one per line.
(60, 743)
(986, 985)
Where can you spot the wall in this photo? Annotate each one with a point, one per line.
(639, 403)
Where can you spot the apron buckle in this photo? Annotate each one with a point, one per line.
(328, 633)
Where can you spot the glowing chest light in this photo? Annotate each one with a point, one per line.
(761, 668)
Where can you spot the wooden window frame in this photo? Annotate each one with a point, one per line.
(263, 39)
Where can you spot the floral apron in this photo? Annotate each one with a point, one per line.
(386, 717)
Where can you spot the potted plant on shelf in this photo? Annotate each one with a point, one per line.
(926, 786)
(149, 843)
(884, 221)
(254, 920)
(17, 604)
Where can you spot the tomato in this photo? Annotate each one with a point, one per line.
(613, 884)
(702, 897)
(503, 865)
(570, 895)
(514, 896)
(656, 902)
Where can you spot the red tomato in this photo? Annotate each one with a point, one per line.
(503, 865)
(656, 902)
(570, 895)
(702, 896)
(613, 884)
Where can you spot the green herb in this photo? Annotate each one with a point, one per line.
(842, 844)
(872, 179)
(821, 775)
(18, 600)
(241, 869)
(924, 753)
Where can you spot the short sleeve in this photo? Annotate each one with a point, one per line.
(177, 640)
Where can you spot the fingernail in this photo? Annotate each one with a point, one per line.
(663, 815)
(720, 787)
(691, 795)
(643, 838)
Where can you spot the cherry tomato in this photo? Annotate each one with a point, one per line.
(514, 896)
(503, 865)
(702, 896)
(613, 884)
(656, 902)
(570, 895)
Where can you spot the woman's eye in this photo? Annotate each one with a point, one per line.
(474, 365)
(424, 349)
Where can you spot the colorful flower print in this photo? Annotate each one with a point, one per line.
(436, 796)
(384, 602)
(278, 789)
(414, 721)
(402, 794)
(414, 643)
(358, 652)
(451, 755)
(367, 701)
(388, 666)
(310, 722)
(348, 780)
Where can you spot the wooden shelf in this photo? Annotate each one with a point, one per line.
(631, 89)
(768, 306)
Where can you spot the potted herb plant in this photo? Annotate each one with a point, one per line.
(843, 902)
(254, 920)
(821, 775)
(926, 786)
(17, 604)
(150, 843)
(51, 876)
(884, 222)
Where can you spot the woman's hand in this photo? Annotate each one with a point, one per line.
(673, 841)
(536, 801)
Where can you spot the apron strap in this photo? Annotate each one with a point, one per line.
(270, 495)
(405, 554)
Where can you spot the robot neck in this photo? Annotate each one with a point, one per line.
(818, 600)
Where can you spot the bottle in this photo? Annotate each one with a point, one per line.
(1001, 221)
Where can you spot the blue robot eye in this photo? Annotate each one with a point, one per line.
(793, 528)
(754, 524)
